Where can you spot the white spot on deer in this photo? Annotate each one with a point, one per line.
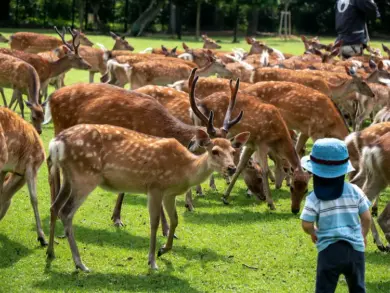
(88, 144)
(81, 164)
(79, 142)
(89, 155)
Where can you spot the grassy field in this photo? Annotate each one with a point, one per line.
(215, 241)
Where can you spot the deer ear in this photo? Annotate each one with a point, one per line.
(202, 138)
(28, 104)
(164, 49)
(185, 47)
(372, 64)
(113, 35)
(303, 38)
(318, 52)
(66, 49)
(335, 52)
(240, 139)
(381, 66)
(174, 50)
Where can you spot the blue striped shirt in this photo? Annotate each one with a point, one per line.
(337, 219)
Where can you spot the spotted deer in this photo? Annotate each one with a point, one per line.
(167, 52)
(96, 103)
(209, 43)
(268, 132)
(121, 43)
(36, 43)
(22, 78)
(162, 72)
(374, 173)
(115, 158)
(48, 69)
(22, 153)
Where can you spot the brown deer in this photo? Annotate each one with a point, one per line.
(121, 43)
(115, 158)
(167, 52)
(3, 39)
(268, 131)
(164, 72)
(374, 172)
(207, 86)
(93, 103)
(382, 116)
(21, 155)
(36, 43)
(209, 43)
(200, 56)
(46, 69)
(306, 110)
(22, 77)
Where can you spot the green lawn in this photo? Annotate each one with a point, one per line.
(215, 241)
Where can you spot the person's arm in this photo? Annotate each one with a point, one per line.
(309, 216)
(310, 229)
(365, 222)
(369, 7)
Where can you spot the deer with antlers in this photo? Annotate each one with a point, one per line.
(36, 43)
(46, 69)
(22, 153)
(268, 132)
(23, 78)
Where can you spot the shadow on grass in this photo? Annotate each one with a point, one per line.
(377, 257)
(11, 252)
(156, 281)
(382, 286)
(236, 218)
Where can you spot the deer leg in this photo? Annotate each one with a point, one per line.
(384, 223)
(3, 97)
(262, 158)
(212, 183)
(170, 207)
(116, 215)
(91, 76)
(31, 179)
(279, 172)
(21, 104)
(154, 205)
(79, 192)
(13, 100)
(374, 209)
(10, 187)
(189, 205)
(302, 139)
(199, 191)
(164, 223)
(246, 155)
(375, 235)
(365, 112)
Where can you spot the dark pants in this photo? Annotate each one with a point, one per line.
(340, 258)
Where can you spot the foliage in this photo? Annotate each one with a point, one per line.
(214, 241)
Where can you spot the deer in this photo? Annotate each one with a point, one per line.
(3, 39)
(163, 170)
(22, 77)
(305, 110)
(268, 132)
(167, 52)
(163, 72)
(36, 43)
(374, 173)
(95, 102)
(199, 56)
(383, 115)
(121, 43)
(209, 43)
(206, 86)
(46, 69)
(22, 153)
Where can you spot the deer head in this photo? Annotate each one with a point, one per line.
(199, 56)
(298, 189)
(258, 47)
(169, 53)
(83, 38)
(121, 43)
(209, 43)
(71, 51)
(357, 83)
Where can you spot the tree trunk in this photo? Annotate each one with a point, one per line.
(4, 11)
(146, 17)
(178, 21)
(253, 21)
(172, 18)
(235, 40)
(198, 10)
(126, 14)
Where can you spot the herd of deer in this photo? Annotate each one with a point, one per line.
(174, 128)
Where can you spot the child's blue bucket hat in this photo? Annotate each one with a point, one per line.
(329, 158)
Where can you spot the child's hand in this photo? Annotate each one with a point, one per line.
(314, 238)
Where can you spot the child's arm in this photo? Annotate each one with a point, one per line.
(365, 221)
(310, 229)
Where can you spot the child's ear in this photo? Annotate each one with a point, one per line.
(240, 139)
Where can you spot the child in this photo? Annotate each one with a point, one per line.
(330, 217)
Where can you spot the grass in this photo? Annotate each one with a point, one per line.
(215, 241)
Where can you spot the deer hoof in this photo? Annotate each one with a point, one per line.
(225, 201)
(382, 248)
(200, 194)
(82, 267)
(118, 223)
(271, 206)
(42, 241)
(50, 255)
(189, 207)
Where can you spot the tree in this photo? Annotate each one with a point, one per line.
(146, 17)
(5, 11)
(198, 10)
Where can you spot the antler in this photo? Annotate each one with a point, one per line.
(75, 40)
(207, 121)
(62, 36)
(227, 123)
(191, 78)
